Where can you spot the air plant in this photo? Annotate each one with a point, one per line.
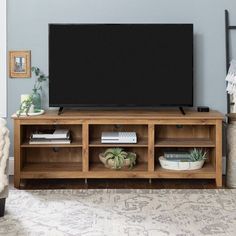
(118, 155)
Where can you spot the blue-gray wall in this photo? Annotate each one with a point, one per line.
(28, 30)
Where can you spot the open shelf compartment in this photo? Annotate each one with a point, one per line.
(50, 162)
(184, 136)
(95, 133)
(75, 131)
(207, 171)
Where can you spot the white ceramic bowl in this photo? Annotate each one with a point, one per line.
(180, 165)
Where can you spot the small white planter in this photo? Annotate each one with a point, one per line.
(180, 165)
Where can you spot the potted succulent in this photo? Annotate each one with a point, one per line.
(117, 158)
(196, 161)
(26, 106)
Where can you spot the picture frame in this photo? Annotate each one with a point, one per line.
(19, 64)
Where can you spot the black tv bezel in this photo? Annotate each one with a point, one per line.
(121, 106)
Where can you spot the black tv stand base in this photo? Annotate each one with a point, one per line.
(60, 111)
(182, 110)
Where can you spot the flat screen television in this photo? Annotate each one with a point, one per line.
(120, 65)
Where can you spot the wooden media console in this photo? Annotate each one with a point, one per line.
(157, 131)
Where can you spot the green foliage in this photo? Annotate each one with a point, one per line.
(25, 106)
(132, 157)
(118, 155)
(198, 154)
(40, 78)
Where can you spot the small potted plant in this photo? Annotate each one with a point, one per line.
(26, 106)
(117, 158)
(34, 100)
(195, 161)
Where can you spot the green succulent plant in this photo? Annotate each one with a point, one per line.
(198, 154)
(118, 155)
(25, 106)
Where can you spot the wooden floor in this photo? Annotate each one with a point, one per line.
(118, 184)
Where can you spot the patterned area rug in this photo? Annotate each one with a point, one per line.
(120, 212)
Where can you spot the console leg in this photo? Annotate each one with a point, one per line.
(22, 184)
(150, 181)
(86, 181)
(2, 206)
(219, 181)
(16, 181)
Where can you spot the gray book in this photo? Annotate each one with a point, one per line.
(177, 155)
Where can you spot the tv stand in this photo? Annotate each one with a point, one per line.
(182, 111)
(60, 111)
(157, 132)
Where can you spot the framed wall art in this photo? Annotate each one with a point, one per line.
(20, 64)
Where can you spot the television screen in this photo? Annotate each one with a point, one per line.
(120, 65)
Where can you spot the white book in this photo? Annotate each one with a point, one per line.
(45, 141)
(56, 134)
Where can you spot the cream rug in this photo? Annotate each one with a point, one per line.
(120, 212)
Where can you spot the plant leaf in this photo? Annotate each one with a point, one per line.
(109, 156)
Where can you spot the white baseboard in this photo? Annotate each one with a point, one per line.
(11, 165)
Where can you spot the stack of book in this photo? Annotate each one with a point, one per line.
(177, 156)
(56, 136)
